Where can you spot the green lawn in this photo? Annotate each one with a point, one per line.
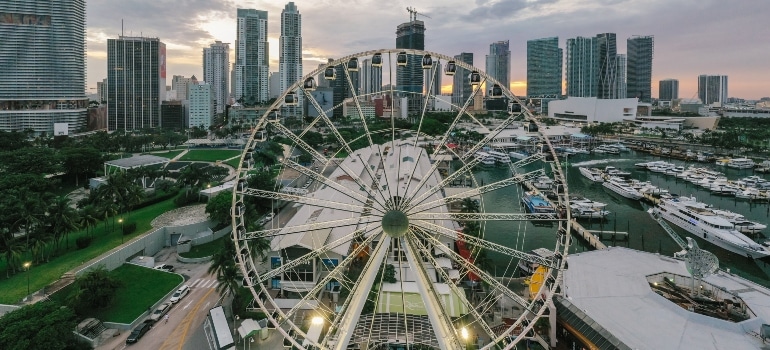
(167, 154)
(233, 162)
(209, 155)
(142, 287)
(104, 238)
(206, 249)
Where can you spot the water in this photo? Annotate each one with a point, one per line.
(626, 215)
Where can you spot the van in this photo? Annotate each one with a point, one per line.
(180, 293)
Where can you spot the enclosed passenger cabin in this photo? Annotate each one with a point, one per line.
(427, 62)
(450, 68)
(291, 99)
(401, 59)
(377, 60)
(330, 73)
(353, 64)
(514, 107)
(496, 91)
(309, 84)
(475, 78)
(274, 116)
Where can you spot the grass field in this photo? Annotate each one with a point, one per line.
(206, 249)
(104, 238)
(167, 154)
(142, 287)
(233, 162)
(209, 155)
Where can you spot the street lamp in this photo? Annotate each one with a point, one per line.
(465, 336)
(121, 230)
(27, 265)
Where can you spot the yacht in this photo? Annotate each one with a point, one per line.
(661, 167)
(752, 193)
(577, 150)
(527, 268)
(613, 171)
(543, 183)
(592, 174)
(518, 154)
(619, 146)
(585, 202)
(500, 157)
(741, 223)
(485, 158)
(581, 212)
(740, 163)
(722, 161)
(700, 220)
(537, 204)
(621, 187)
(675, 170)
(724, 189)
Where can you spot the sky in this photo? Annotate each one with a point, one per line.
(692, 37)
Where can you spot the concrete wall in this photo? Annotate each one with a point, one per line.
(7, 308)
(148, 244)
(594, 110)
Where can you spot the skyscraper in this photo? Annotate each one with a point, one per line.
(668, 90)
(216, 71)
(409, 80)
(607, 55)
(712, 89)
(42, 65)
(342, 89)
(180, 85)
(136, 80)
(499, 63)
(544, 68)
(252, 60)
(461, 84)
(290, 57)
(582, 67)
(621, 65)
(200, 106)
(371, 78)
(433, 84)
(639, 73)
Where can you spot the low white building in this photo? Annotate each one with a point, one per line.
(592, 109)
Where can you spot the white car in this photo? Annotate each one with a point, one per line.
(267, 218)
(160, 311)
(179, 294)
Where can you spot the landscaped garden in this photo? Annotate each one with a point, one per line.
(168, 154)
(204, 250)
(209, 155)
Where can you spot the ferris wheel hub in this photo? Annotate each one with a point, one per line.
(395, 223)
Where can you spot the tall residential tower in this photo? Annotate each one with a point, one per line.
(461, 85)
(409, 80)
(544, 68)
(216, 72)
(639, 71)
(668, 90)
(42, 65)
(252, 60)
(290, 56)
(582, 67)
(498, 64)
(712, 89)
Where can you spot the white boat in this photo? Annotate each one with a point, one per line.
(585, 202)
(527, 267)
(484, 158)
(499, 157)
(620, 147)
(722, 161)
(740, 163)
(700, 220)
(592, 174)
(587, 213)
(675, 170)
(622, 188)
(543, 183)
(613, 171)
(661, 167)
(752, 193)
(577, 150)
(724, 189)
(741, 223)
(518, 154)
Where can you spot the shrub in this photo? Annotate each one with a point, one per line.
(129, 228)
(83, 242)
(186, 198)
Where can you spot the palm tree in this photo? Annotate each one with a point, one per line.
(259, 248)
(32, 208)
(63, 218)
(89, 217)
(13, 251)
(223, 258)
(134, 196)
(227, 280)
(470, 205)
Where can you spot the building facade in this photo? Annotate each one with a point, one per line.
(172, 115)
(640, 52)
(200, 106)
(42, 65)
(371, 79)
(621, 73)
(101, 90)
(252, 60)
(179, 85)
(409, 79)
(461, 84)
(582, 67)
(712, 89)
(216, 71)
(668, 90)
(290, 57)
(498, 63)
(607, 55)
(136, 82)
(544, 68)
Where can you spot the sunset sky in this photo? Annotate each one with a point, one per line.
(691, 37)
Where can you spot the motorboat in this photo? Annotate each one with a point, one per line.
(518, 154)
(741, 223)
(585, 202)
(527, 268)
(581, 212)
(613, 171)
(701, 221)
(674, 171)
(740, 163)
(621, 187)
(543, 183)
(724, 189)
(500, 157)
(485, 158)
(537, 204)
(593, 174)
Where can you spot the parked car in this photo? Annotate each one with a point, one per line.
(160, 311)
(138, 332)
(267, 218)
(165, 267)
(179, 294)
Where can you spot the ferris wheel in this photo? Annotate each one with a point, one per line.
(377, 232)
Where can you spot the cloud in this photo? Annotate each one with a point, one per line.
(503, 9)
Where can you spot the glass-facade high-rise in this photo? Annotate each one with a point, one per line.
(712, 89)
(371, 79)
(252, 60)
(668, 90)
(216, 71)
(290, 57)
(607, 54)
(621, 65)
(544, 68)
(461, 84)
(582, 67)
(136, 80)
(409, 79)
(498, 63)
(639, 71)
(42, 65)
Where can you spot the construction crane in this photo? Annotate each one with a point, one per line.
(413, 14)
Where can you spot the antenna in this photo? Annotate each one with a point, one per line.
(413, 14)
(121, 27)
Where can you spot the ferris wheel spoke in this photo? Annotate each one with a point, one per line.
(485, 216)
(476, 192)
(351, 311)
(299, 142)
(326, 181)
(323, 203)
(287, 230)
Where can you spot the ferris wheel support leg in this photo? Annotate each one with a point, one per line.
(552, 322)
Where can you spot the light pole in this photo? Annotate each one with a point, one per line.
(121, 230)
(27, 265)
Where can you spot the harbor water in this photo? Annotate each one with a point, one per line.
(626, 215)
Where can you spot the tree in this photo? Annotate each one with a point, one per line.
(224, 257)
(62, 219)
(219, 207)
(42, 325)
(81, 160)
(95, 289)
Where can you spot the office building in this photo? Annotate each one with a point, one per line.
(712, 89)
(42, 65)
(136, 82)
(668, 90)
(461, 85)
(498, 63)
(639, 72)
(409, 79)
(621, 66)
(101, 90)
(252, 60)
(320, 79)
(180, 84)
(607, 56)
(432, 84)
(216, 71)
(371, 79)
(582, 67)
(342, 89)
(275, 85)
(172, 115)
(544, 68)
(200, 106)
(290, 57)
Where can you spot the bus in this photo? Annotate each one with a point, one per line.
(217, 329)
